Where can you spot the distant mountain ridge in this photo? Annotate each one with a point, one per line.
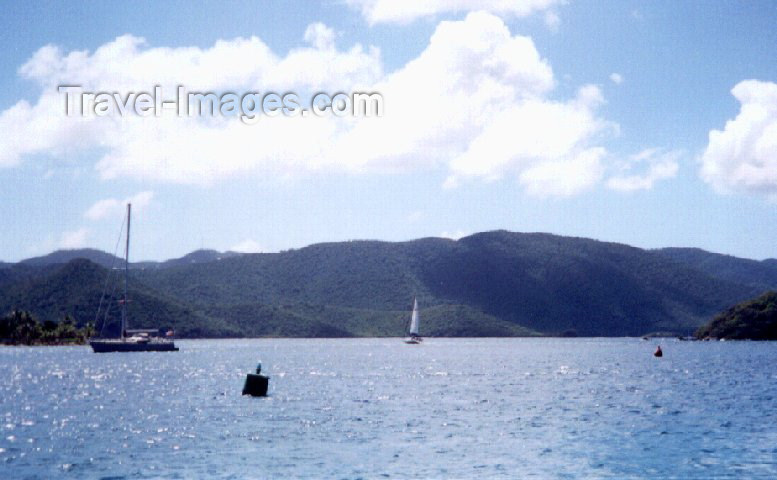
(76, 289)
(64, 256)
(199, 256)
(493, 283)
(760, 274)
(107, 260)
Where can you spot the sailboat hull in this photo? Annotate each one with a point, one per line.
(107, 346)
(139, 340)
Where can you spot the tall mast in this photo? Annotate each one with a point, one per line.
(126, 275)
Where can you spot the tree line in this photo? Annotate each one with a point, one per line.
(21, 328)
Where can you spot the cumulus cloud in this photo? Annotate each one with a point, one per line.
(405, 11)
(439, 102)
(184, 150)
(616, 78)
(657, 165)
(73, 239)
(320, 36)
(456, 235)
(112, 207)
(546, 144)
(247, 246)
(478, 102)
(552, 21)
(566, 176)
(743, 156)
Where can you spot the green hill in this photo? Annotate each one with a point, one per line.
(64, 256)
(488, 284)
(754, 319)
(75, 289)
(759, 274)
(542, 282)
(107, 260)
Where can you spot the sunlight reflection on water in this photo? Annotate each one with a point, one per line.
(464, 408)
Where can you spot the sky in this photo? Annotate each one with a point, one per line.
(647, 123)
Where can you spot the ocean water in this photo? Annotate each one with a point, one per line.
(377, 408)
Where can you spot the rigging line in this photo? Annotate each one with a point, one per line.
(107, 279)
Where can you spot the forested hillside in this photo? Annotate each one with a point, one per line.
(494, 283)
(754, 319)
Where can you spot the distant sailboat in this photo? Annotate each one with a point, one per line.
(132, 340)
(413, 337)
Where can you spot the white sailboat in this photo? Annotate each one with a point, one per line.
(139, 340)
(413, 337)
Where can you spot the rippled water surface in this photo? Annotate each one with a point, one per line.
(377, 408)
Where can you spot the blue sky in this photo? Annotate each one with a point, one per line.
(652, 124)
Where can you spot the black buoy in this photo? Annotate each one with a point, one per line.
(658, 352)
(256, 384)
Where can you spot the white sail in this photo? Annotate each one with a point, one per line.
(414, 319)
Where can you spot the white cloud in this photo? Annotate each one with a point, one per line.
(454, 235)
(405, 11)
(102, 209)
(73, 239)
(660, 166)
(566, 176)
(157, 148)
(247, 246)
(552, 21)
(616, 78)
(547, 144)
(439, 102)
(743, 156)
(110, 207)
(320, 36)
(478, 101)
